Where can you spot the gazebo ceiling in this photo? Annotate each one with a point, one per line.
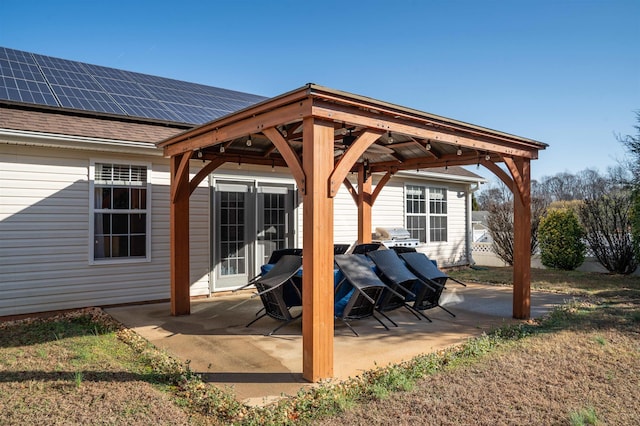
(404, 138)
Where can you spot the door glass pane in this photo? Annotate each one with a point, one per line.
(273, 223)
(232, 232)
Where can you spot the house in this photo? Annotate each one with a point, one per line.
(84, 191)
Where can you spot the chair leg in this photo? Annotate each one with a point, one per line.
(419, 312)
(413, 311)
(445, 309)
(350, 328)
(383, 324)
(459, 282)
(390, 320)
(285, 323)
(256, 319)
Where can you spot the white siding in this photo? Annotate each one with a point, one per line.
(44, 235)
(44, 229)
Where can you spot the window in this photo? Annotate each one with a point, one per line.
(418, 210)
(437, 214)
(120, 213)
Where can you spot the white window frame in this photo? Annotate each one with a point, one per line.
(427, 214)
(92, 211)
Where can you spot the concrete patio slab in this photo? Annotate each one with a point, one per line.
(260, 368)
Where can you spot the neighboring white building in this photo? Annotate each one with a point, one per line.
(84, 199)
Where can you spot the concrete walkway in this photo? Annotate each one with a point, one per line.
(260, 368)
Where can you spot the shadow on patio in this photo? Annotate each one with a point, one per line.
(258, 367)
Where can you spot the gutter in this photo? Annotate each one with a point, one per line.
(55, 140)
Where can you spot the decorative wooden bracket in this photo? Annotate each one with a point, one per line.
(290, 157)
(364, 141)
(380, 185)
(205, 171)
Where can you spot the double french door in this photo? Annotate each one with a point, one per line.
(250, 221)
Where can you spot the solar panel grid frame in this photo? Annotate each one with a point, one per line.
(102, 89)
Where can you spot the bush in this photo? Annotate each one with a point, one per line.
(560, 238)
(607, 220)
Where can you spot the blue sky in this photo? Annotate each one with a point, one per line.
(566, 73)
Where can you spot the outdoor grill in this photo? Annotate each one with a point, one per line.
(396, 236)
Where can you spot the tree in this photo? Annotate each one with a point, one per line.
(632, 145)
(498, 201)
(560, 236)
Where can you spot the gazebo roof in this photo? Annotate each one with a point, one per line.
(407, 138)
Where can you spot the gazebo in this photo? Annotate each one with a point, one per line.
(322, 135)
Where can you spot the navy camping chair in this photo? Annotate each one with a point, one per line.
(428, 272)
(271, 289)
(405, 285)
(358, 292)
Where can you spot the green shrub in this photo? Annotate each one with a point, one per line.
(560, 238)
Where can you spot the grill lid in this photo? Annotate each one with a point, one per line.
(393, 233)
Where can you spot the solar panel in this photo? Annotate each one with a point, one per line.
(45, 80)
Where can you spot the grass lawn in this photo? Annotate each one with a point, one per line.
(581, 365)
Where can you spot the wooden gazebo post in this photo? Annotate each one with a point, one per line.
(179, 234)
(520, 170)
(317, 262)
(364, 203)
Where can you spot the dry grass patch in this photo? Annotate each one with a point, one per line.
(545, 379)
(73, 369)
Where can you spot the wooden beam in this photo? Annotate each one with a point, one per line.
(380, 122)
(318, 278)
(240, 128)
(364, 205)
(389, 110)
(425, 163)
(289, 155)
(179, 236)
(381, 183)
(281, 103)
(351, 155)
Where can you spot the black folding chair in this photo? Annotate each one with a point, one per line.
(276, 255)
(365, 248)
(428, 272)
(403, 249)
(270, 288)
(360, 300)
(407, 287)
(340, 248)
